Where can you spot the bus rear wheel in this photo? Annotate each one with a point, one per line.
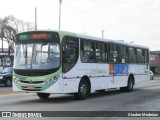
(43, 95)
(83, 90)
(129, 87)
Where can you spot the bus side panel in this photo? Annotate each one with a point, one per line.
(140, 73)
(119, 75)
(56, 88)
(119, 81)
(100, 76)
(71, 85)
(97, 73)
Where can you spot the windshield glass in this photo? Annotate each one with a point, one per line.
(37, 56)
(7, 70)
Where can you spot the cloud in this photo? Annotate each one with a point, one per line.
(129, 20)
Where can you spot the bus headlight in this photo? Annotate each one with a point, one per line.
(52, 80)
(49, 81)
(56, 77)
(46, 82)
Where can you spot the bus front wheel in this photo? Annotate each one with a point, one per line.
(83, 90)
(43, 95)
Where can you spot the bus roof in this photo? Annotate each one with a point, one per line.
(91, 38)
(120, 42)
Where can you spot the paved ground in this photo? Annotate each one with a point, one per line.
(4, 88)
(144, 98)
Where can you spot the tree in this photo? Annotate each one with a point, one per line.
(9, 26)
(7, 33)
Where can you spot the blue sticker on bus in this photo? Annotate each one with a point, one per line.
(120, 68)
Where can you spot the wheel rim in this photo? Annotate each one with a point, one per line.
(83, 89)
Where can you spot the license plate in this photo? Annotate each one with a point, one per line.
(30, 87)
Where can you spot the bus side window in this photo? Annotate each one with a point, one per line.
(132, 55)
(84, 53)
(140, 57)
(145, 54)
(98, 51)
(104, 52)
(87, 51)
(113, 53)
(123, 55)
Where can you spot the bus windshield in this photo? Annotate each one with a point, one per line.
(37, 56)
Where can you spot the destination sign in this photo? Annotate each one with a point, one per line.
(35, 36)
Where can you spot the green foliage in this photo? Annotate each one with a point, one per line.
(9, 26)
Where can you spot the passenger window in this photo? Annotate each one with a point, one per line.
(104, 53)
(113, 53)
(145, 54)
(87, 51)
(132, 55)
(123, 57)
(98, 51)
(140, 57)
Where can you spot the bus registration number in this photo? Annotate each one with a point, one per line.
(31, 87)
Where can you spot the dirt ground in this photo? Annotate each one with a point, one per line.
(8, 92)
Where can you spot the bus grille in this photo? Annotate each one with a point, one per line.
(31, 82)
(28, 89)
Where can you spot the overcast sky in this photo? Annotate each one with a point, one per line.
(128, 20)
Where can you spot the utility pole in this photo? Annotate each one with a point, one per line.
(60, 1)
(35, 18)
(102, 33)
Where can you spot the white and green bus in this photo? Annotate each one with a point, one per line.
(60, 62)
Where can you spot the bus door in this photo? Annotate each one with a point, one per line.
(70, 54)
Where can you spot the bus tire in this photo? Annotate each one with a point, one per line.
(43, 95)
(83, 90)
(129, 87)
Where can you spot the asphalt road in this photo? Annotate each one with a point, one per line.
(4, 88)
(145, 97)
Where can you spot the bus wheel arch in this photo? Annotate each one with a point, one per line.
(84, 88)
(130, 84)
